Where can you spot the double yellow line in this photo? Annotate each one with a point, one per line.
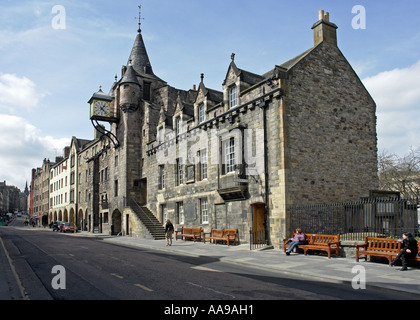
(137, 284)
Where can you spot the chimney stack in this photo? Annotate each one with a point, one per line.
(324, 30)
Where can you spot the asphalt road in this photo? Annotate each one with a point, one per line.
(91, 269)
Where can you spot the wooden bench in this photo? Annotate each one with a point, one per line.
(320, 242)
(323, 242)
(381, 247)
(231, 235)
(417, 257)
(227, 235)
(194, 233)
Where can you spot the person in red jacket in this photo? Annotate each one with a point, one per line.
(299, 238)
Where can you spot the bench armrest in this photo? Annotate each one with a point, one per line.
(334, 243)
(361, 246)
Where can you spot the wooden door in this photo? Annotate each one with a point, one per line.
(258, 225)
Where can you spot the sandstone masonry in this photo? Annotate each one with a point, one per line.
(304, 132)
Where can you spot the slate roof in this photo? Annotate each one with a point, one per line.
(130, 75)
(139, 59)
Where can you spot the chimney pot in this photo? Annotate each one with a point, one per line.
(324, 30)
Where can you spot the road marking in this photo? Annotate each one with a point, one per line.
(143, 287)
(15, 274)
(210, 289)
(116, 275)
(201, 268)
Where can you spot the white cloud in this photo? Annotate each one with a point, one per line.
(397, 96)
(364, 66)
(18, 93)
(22, 148)
(396, 89)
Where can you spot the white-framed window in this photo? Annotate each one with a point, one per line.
(229, 148)
(161, 182)
(201, 113)
(180, 212)
(178, 125)
(164, 212)
(161, 134)
(203, 164)
(179, 172)
(233, 97)
(204, 210)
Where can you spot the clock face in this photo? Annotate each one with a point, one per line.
(101, 108)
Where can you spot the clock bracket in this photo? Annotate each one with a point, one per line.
(105, 133)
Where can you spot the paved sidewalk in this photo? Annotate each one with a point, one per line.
(316, 267)
(313, 267)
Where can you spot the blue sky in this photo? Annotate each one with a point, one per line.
(47, 74)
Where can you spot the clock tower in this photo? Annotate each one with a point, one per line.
(101, 107)
(126, 108)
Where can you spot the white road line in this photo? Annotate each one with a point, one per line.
(210, 289)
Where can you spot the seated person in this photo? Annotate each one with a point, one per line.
(299, 238)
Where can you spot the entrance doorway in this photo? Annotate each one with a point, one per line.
(116, 223)
(258, 224)
(127, 224)
(143, 192)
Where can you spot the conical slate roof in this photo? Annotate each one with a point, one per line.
(139, 58)
(130, 75)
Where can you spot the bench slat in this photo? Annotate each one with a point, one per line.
(320, 242)
(379, 247)
(194, 233)
(221, 235)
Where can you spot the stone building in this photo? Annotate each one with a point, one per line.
(60, 188)
(303, 132)
(94, 186)
(64, 180)
(41, 192)
(9, 198)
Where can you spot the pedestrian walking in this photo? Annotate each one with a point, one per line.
(409, 250)
(169, 230)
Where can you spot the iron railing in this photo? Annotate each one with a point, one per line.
(359, 219)
(257, 239)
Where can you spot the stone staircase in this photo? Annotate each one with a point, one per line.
(149, 220)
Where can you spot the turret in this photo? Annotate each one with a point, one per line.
(130, 90)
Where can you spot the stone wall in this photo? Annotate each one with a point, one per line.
(331, 131)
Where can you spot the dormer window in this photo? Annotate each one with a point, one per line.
(201, 114)
(178, 125)
(233, 98)
(161, 135)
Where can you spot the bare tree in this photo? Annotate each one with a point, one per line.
(400, 174)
